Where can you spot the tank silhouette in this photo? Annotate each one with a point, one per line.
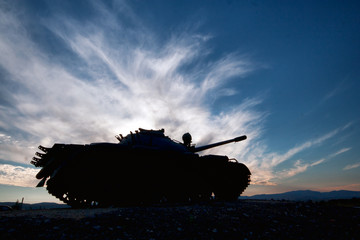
(144, 167)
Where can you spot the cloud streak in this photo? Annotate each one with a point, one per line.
(343, 150)
(115, 86)
(352, 166)
(111, 79)
(299, 167)
(17, 175)
(265, 163)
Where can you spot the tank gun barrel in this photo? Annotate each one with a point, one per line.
(202, 148)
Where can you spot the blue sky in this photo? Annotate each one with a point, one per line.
(285, 73)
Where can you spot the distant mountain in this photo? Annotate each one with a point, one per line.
(44, 205)
(301, 195)
(304, 195)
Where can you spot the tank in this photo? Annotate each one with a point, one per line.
(144, 167)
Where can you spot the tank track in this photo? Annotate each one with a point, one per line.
(69, 183)
(73, 199)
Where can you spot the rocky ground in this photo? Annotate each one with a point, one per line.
(245, 219)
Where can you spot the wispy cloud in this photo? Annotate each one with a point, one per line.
(114, 86)
(299, 167)
(343, 150)
(17, 175)
(279, 158)
(334, 92)
(111, 79)
(352, 166)
(265, 163)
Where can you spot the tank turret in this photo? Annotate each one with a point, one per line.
(143, 167)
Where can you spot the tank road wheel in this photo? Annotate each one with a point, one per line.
(234, 180)
(60, 191)
(199, 188)
(56, 188)
(226, 192)
(72, 200)
(78, 202)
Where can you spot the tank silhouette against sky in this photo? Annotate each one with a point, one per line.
(144, 167)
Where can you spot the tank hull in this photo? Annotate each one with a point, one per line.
(109, 174)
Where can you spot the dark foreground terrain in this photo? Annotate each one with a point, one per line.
(245, 219)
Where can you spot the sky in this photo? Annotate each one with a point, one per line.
(284, 73)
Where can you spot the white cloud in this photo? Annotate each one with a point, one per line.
(299, 167)
(17, 175)
(339, 152)
(277, 159)
(116, 86)
(352, 166)
(123, 79)
(265, 162)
